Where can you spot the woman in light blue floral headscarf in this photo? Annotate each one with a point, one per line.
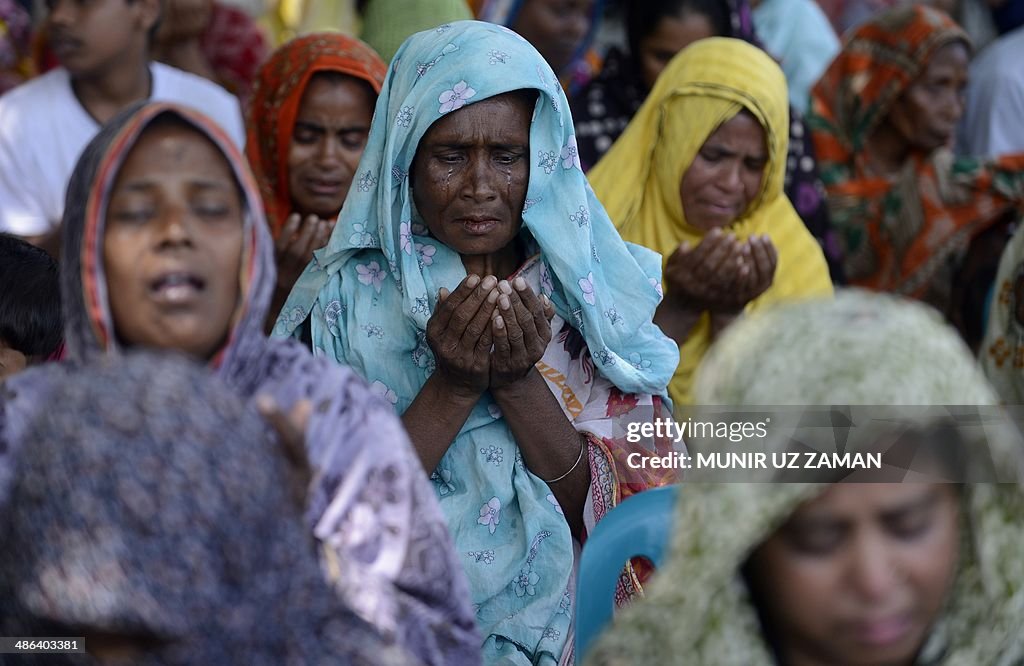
(470, 223)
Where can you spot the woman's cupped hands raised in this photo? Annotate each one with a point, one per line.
(489, 333)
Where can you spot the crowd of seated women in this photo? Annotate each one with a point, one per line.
(354, 387)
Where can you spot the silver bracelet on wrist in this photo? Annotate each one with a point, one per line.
(583, 447)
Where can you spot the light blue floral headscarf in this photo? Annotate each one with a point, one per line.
(369, 293)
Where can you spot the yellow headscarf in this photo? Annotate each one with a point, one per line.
(638, 179)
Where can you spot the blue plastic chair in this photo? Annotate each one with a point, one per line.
(639, 527)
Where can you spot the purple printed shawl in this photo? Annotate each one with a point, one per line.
(159, 511)
(384, 542)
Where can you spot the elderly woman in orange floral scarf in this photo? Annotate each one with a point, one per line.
(307, 124)
(907, 211)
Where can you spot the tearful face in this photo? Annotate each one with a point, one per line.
(470, 174)
(725, 175)
(328, 140)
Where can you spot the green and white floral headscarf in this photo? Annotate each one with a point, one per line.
(862, 349)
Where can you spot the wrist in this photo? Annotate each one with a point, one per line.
(516, 389)
(681, 309)
(458, 393)
(685, 302)
(721, 321)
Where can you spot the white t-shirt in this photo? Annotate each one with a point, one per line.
(44, 128)
(992, 122)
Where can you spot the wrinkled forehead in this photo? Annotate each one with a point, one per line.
(503, 119)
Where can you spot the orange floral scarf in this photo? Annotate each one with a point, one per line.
(905, 233)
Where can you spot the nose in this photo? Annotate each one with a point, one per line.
(954, 108)
(328, 153)
(480, 185)
(729, 177)
(874, 570)
(175, 228)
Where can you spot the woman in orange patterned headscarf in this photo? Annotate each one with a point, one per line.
(307, 124)
(882, 120)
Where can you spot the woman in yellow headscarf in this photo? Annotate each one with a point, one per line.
(698, 177)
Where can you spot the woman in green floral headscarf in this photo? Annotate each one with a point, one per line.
(846, 573)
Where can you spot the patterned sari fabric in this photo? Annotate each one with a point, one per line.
(270, 117)
(907, 233)
(638, 180)
(585, 65)
(374, 516)
(369, 294)
(607, 104)
(860, 349)
(158, 510)
(1002, 353)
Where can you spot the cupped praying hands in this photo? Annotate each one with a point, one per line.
(488, 334)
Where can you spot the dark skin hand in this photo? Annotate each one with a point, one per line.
(521, 330)
(293, 250)
(721, 275)
(463, 368)
(482, 312)
(696, 279)
(290, 429)
(760, 259)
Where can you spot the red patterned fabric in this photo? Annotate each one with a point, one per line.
(235, 47)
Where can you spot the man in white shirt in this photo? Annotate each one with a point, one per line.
(993, 122)
(45, 124)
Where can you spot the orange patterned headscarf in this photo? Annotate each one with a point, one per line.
(270, 117)
(901, 233)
